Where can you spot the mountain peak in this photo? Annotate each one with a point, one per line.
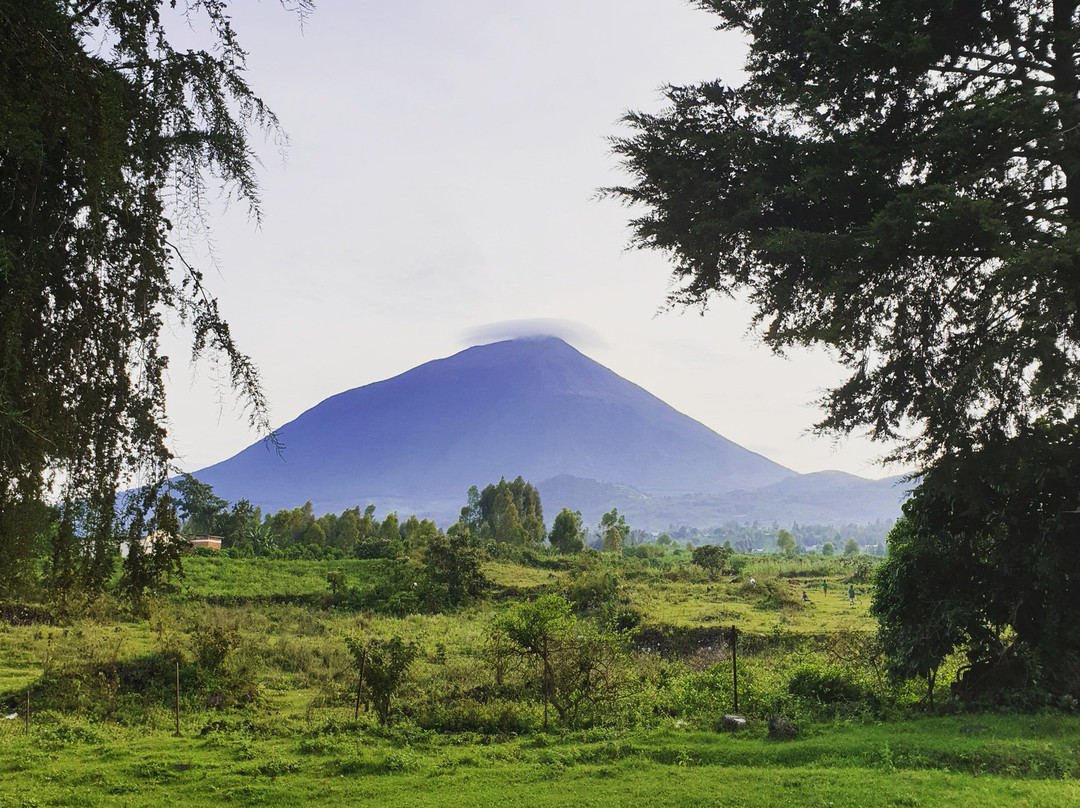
(531, 406)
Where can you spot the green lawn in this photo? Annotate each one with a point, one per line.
(956, 761)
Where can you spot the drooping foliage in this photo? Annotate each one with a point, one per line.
(109, 140)
(900, 182)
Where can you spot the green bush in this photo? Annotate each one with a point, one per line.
(469, 715)
(829, 690)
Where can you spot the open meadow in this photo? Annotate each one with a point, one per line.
(264, 658)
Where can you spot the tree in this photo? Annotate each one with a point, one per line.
(153, 559)
(235, 526)
(827, 549)
(390, 530)
(581, 667)
(992, 547)
(199, 507)
(785, 543)
(452, 564)
(383, 667)
(472, 516)
(922, 600)
(348, 530)
(711, 558)
(507, 513)
(612, 531)
(851, 548)
(109, 137)
(505, 521)
(566, 532)
(314, 535)
(367, 526)
(900, 183)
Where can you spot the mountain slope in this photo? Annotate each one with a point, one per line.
(824, 497)
(535, 407)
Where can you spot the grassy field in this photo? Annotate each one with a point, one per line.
(957, 761)
(273, 721)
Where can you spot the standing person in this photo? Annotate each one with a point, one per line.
(824, 587)
(851, 594)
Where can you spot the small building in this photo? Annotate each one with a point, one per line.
(209, 542)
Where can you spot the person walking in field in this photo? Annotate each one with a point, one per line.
(851, 594)
(824, 587)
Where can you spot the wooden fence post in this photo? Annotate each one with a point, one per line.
(178, 699)
(734, 668)
(360, 684)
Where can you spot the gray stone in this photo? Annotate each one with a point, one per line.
(731, 723)
(780, 729)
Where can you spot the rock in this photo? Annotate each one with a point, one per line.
(731, 723)
(780, 729)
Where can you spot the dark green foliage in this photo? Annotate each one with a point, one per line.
(202, 511)
(987, 555)
(239, 525)
(901, 182)
(454, 567)
(109, 137)
(567, 535)
(154, 559)
(891, 180)
(711, 558)
(505, 513)
(379, 548)
(830, 685)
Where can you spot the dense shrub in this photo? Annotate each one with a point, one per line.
(468, 715)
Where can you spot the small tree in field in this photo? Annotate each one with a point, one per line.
(455, 566)
(785, 543)
(613, 531)
(581, 667)
(383, 668)
(566, 532)
(711, 558)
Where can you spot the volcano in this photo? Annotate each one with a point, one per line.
(533, 407)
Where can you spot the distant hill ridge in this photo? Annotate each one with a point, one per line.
(533, 407)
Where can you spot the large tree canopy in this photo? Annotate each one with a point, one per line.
(108, 139)
(900, 182)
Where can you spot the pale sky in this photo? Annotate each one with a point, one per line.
(440, 190)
